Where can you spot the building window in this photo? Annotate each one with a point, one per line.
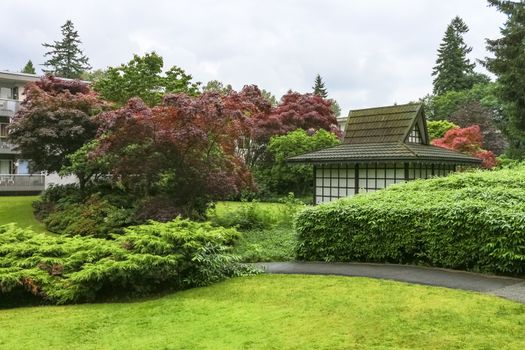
(415, 135)
(3, 130)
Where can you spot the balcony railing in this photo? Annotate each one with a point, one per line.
(6, 147)
(9, 107)
(22, 183)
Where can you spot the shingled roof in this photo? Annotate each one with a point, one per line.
(381, 134)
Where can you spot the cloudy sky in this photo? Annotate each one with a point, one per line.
(368, 52)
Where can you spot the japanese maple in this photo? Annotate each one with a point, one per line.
(467, 140)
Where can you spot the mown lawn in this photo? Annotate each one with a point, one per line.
(18, 209)
(277, 312)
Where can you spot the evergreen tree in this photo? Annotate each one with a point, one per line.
(319, 88)
(453, 70)
(29, 68)
(66, 60)
(507, 65)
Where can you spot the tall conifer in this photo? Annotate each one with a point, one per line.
(453, 70)
(66, 60)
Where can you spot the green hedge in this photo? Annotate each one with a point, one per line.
(473, 221)
(147, 258)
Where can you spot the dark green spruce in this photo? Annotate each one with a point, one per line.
(507, 65)
(453, 70)
(65, 59)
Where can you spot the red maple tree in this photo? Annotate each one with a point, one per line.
(467, 140)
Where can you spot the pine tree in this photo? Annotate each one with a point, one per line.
(65, 58)
(507, 65)
(453, 70)
(319, 88)
(29, 68)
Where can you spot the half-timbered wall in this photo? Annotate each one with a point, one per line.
(345, 180)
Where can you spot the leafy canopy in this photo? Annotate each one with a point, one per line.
(438, 128)
(185, 148)
(56, 119)
(279, 176)
(467, 140)
(66, 60)
(507, 65)
(143, 77)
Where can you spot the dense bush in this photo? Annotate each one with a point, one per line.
(94, 217)
(438, 128)
(473, 221)
(248, 215)
(147, 258)
(276, 175)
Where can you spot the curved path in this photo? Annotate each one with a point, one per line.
(507, 287)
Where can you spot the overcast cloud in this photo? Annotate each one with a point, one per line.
(368, 52)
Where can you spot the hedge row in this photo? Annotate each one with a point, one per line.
(147, 258)
(473, 221)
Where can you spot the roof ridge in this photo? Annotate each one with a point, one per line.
(388, 106)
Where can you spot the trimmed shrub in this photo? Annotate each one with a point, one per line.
(473, 221)
(147, 258)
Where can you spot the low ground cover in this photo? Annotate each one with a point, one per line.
(18, 209)
(267, 232)
(277, 312)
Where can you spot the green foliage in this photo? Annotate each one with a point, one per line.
(438, 128)
(146, 258)
(29, 68)
(248, 215)
(142, 77)
(473, 221)
(87, 167)
(267, 232)
(94, 217)
(507, 65)
(453, 69)
(93, 76)
(319, 88)
(439, 107)
(336, 109)
(280, 177)
(269, 244)
(268, 96)
(66, 60)
(217, 86)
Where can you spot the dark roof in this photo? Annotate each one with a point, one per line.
(380, 134)
(381, 124)
(384, 152)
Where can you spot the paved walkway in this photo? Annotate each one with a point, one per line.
(507, 287)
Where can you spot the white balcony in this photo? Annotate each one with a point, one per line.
(8, 107)
(10, 183)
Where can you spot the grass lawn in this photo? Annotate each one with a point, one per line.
(18, 210)
(277, 312)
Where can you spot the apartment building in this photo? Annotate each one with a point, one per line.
(15, 173)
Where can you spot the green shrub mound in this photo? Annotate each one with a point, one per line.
(473, 221)
(144, 259)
